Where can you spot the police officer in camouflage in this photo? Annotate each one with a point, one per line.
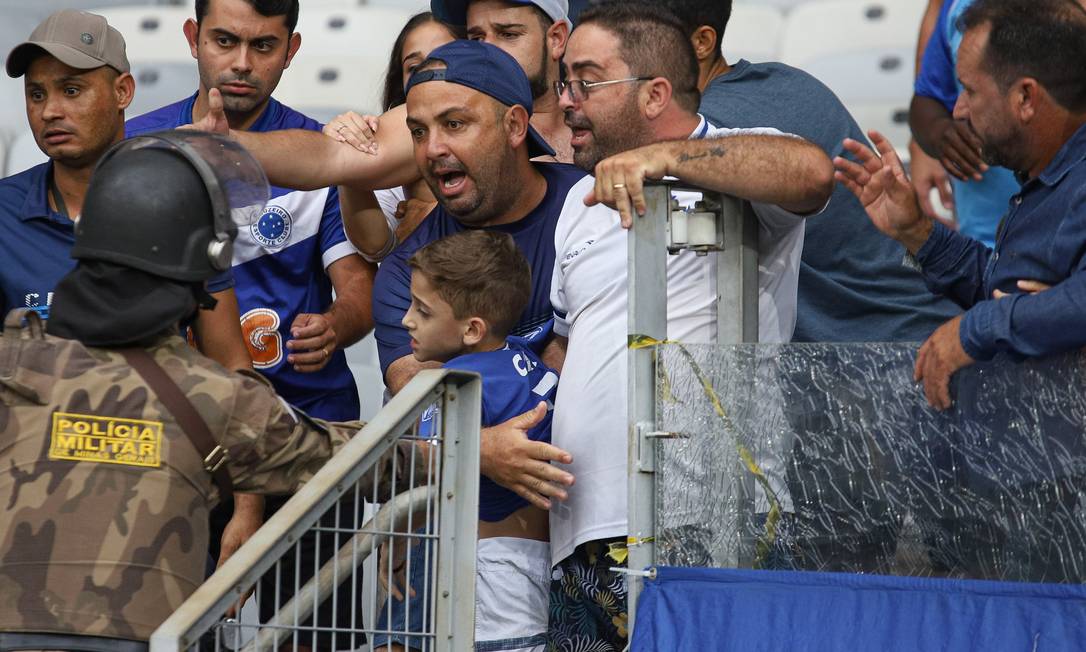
(116, 437)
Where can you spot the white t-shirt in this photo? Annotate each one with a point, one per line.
(589, 288)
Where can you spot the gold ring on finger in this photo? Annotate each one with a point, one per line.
(619, 186)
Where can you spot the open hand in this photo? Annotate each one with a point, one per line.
(881, 185)
(938, 359)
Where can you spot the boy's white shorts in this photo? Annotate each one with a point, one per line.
(512, 588)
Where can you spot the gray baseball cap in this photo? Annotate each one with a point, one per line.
(455, 12)
(79, 39)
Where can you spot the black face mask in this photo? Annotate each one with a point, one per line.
(104, 304)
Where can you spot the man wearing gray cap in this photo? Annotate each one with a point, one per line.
(78, 84)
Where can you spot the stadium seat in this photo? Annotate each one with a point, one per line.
(364, 33)
(323, 86)
(24, 153)
(827, 27)
(158, 84)
(889, 118)
(753, 33)
(152, 34)
(865, 76)
(12, 106)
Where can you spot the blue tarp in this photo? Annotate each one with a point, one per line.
(794, 611)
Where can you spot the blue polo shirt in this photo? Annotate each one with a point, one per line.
(533, 234)
(36, 243)
(978, 205)
(1043, 238)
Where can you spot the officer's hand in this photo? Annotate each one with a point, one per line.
(523, 466)
(215, 120)
(312, 343)
(397, 565)
(247, 519)
(960, 147)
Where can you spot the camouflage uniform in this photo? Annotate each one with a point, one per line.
(104, 500)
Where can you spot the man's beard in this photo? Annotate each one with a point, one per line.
(624, 131)
(1002, 150)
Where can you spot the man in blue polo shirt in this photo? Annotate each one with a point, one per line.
(1029, 110)
(468, 109)
(287, 264)
(78, 85)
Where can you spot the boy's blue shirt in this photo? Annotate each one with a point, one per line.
(515, 380)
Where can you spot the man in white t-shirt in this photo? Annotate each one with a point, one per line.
(631, 90)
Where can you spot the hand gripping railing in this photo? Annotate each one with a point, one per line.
(442, 500)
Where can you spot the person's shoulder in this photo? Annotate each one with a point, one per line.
(565, 174)
(21, 182)
(767, 76)
(280, 116)
(160, 119)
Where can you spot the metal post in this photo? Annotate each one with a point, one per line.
(737, 321)
(646, 317)
(459, 517)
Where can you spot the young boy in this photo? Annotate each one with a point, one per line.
(467, 292)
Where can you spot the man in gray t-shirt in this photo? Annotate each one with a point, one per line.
(855, 284)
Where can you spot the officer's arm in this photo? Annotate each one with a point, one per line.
(308, 160)
(218, 332)
(275, 449)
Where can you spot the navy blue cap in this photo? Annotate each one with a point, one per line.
(455, 12)
(487, 69)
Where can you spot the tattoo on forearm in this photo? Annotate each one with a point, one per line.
(715, 151)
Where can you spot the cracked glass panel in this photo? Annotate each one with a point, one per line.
(827, 457)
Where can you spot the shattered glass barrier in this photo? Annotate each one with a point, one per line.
(827, 457)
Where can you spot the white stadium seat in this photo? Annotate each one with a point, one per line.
(367, 32)
(158, 84)
(24, 153)
(826, 27)
(889, 118)
(874, 75)
(152, 34)
(323, 86)
(753, 33)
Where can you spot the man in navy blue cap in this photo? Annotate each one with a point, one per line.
(535, 33)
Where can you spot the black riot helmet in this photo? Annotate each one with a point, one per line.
(170, 204)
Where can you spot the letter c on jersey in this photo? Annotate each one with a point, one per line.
(260, 328)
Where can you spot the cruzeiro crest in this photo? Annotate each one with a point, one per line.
(272, 230)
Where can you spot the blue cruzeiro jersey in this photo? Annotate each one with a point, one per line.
(533, 234)
(515, 380)
(278, 268)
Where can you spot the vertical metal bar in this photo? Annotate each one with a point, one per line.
(737, 322)
(458, 516)
(646, 317)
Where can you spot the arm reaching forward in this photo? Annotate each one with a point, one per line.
(789, 172)
(308, 160)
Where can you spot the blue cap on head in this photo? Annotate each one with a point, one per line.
(489, 70)
(455, 12)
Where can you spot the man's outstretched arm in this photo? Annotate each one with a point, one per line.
(789, 172)
(307, 160)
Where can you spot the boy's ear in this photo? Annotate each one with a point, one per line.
(475, 331)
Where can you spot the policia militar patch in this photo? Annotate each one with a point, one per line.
(112, 440)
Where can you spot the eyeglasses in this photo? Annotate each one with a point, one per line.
(578, 88)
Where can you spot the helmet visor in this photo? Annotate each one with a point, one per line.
(235, 181)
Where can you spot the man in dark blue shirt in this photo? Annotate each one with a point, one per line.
(468, 115)
(1029, 110)
(78, 85)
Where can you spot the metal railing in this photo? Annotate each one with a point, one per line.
(360, 505)
(649, 242)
